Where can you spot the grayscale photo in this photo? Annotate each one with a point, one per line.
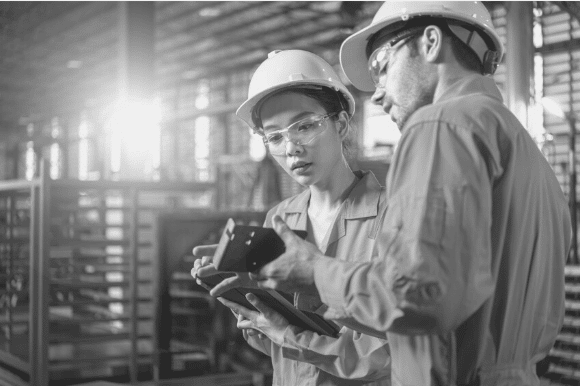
(289, 193)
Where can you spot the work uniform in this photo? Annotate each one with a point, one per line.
(468, 286)
(352, 358)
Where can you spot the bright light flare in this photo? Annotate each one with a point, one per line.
(552, 107)
(135, 135)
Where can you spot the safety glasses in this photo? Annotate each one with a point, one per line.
(301, 132)
(379, 60)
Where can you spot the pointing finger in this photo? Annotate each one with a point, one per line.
(282, 229)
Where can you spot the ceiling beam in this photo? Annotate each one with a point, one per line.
(70, 35)
(184, 10)
(251, 60)
(197, 32)
(282, 36)
(199, 22)
(29, 34)
(247, 38)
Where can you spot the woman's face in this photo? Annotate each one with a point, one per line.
(311, 163)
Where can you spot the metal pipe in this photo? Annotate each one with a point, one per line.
(33, 283)
(572, 186)
(519, 62)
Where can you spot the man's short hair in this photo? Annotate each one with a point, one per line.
(465, 56)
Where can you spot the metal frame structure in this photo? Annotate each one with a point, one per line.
(44, 225)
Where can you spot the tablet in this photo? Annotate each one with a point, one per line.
(279, 301)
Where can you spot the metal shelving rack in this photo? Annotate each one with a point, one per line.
(196, 334)
(78, 261)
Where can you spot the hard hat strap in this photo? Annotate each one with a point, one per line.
(478, 42)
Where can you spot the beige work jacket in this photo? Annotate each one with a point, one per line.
(468, 284)
(353, 358)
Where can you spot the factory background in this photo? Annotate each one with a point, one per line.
(120, 151)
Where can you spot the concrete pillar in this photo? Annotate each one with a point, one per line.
(519, 57)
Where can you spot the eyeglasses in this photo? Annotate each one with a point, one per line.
(300, 133)
(380, 58)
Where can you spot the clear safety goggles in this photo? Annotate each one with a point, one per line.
(301, 132)
(379, 60)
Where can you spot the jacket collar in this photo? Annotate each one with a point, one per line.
(473, 84)
(363, 200)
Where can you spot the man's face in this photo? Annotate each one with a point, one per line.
(406, 83)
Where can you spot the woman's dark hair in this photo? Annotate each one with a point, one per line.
(331, 101)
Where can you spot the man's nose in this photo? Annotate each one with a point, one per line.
(378, 96)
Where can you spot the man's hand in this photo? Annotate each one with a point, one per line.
(203, 267)
(293, 271)
(266, 321)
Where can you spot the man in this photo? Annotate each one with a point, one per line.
(468, 282)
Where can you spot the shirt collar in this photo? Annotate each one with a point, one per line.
(363, 200)
(473, 84)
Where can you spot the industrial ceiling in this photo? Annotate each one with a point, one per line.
(59, 57)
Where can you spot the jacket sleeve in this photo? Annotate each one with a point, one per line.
(351, 355)
(433, 265)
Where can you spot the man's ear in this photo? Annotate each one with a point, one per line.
(432, 44)
(342, 124)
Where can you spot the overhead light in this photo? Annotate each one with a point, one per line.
(209, 12)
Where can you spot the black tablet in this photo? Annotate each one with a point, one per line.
(245, 248)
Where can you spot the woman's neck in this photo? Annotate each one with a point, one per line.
(331, 193)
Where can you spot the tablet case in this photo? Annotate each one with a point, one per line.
(279, 301)
(245, 248)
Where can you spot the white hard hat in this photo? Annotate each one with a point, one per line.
(353, 52)
(291, 68)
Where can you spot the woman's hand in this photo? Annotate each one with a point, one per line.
(203, 267)
(265, 320)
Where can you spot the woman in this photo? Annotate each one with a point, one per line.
(302, 111)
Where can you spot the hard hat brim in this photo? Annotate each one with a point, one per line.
(244, 112)
(353, 56)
